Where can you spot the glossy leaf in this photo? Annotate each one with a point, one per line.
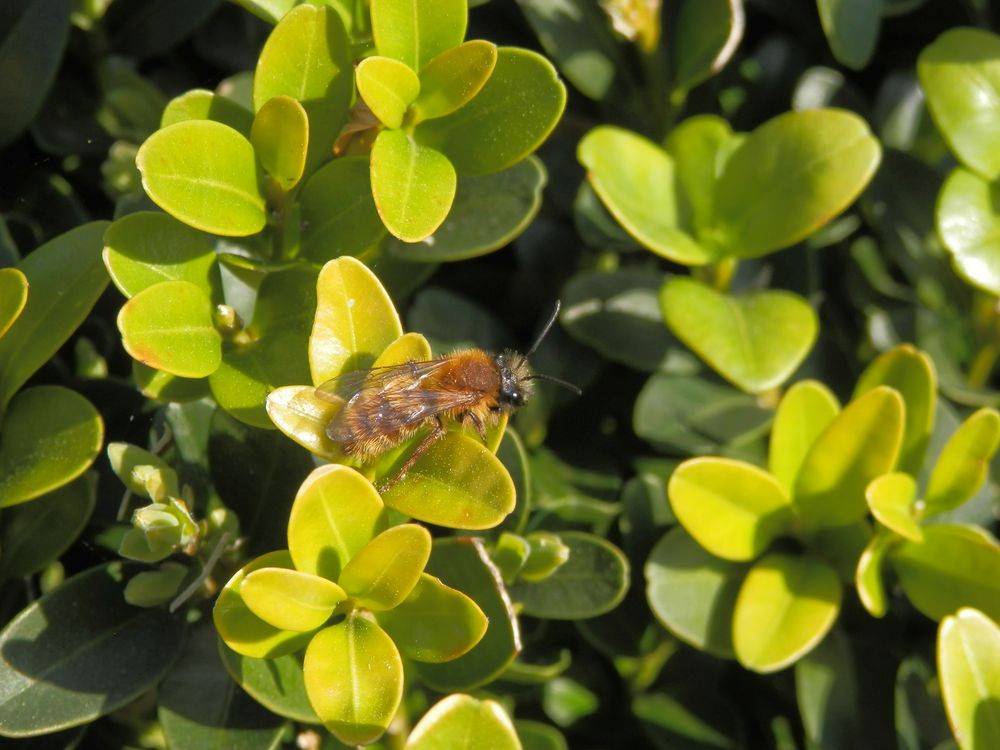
(354, 678)
(201, 707)
(785, 607)
(755, 341)
(507, 120)
(13, 296)
(355, 320)
(964, 462)
(806, 409)
(147, 247)
(80, 652)
(280, 138)
(707, 34)
(435, 623)
(169, 326)
(463, 564)
(290, 599)
(458, 483)
(592, 581)
(303, 416)
(34, 534)
(50, 436)
(205, 174)
(416, 32)
(960, 75)
(413, 185)
(861, 443)
(891, 499)
(868, 579)
(162, 386)
(30, 53)
(128, 460)
(461, 722)
(828, 694)
(731, 508)
(65, 278)
(338, 211)
(275, 683)
(790, 177)
(968, 663)
(201, 104)
(693, 592)
(851, 28)
(383, 573)
(910, 372)
(453, 78)
(241, 629)
(954, 566)
(388, 87)
(335, 514)
(635, 179)
(967, 221)
(308, 58)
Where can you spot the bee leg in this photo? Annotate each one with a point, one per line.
(473, 419)
(432, 437)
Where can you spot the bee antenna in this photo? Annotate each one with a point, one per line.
(545, 330)
(558, 381)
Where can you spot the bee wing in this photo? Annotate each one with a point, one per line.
(405, 376)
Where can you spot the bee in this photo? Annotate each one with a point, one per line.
(385, 406)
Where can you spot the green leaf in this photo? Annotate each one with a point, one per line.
(489, 211)
(453, 78)
(806, 409)
(457, 483)
(66, 277)
(169, 326)
(125, 459)
(308, 58)
(851, 28)
(954, 566)
(827, 693)
(32, 47)
(34, 534)
(354, 678)
(416, 31)
(960, 75)
(911, 373)
(162, 386)
(335, 514)
(276, 684)
(791, 176)
(963, 465)
(707, 34)
(338, 211)
(241, 629)
(968, 663)
(80, 652)
(355, 320)
(388, 87)
(591, 582)
(201, 104)
(147, 247)
(693, 593)
(509, 118)
(785, 607)
(635, 180)
(202, 708)
(50, 436)
(280, 138)
(290, 599)
(205, 174)
(435, 623)
(968, 223)
(463, 564)
(861, 443)
(891, 499)
(461, 722)
(303, 416)
(383, 573)
(733, 509)
(153, 588)
(689, 718)
(868, 578)
(413, 185)
(13, 296)
(755, 341)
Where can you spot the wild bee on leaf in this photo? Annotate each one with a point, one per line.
(385, 406)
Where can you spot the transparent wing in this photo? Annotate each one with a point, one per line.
(406, 376)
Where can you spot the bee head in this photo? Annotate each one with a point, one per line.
(515, 383)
